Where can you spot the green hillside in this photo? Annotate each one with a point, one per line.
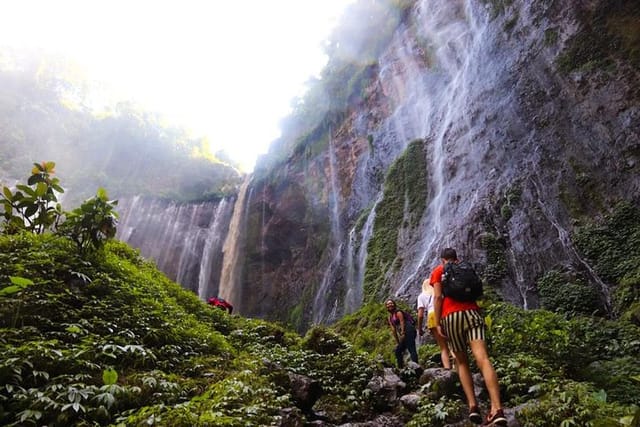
(106, 339)
(109, 339)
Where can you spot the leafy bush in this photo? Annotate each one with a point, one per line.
(522, 376)
(33, 207)
(437, 414)
(368, 331)
(573, 404)
(620, 377)
(323, 341)
(93, 223)
(568, 295)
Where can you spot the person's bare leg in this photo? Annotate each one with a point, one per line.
(464, 373)
(479, 350)
(444, 349)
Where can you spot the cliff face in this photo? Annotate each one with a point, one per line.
(494, 127)
(185, 240)
(526, 119)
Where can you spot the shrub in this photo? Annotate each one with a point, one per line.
(568, 295)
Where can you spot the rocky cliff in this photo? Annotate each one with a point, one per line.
(496, 127)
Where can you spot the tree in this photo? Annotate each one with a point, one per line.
(33, 207)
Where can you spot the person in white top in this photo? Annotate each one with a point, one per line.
(426, 312)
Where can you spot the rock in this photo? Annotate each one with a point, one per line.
(410, 401)
(305, 391)
(438, 382)
(386, 389)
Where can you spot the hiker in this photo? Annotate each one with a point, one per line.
(426, 312)
(404, 332)
(463, 326)
(220, 303)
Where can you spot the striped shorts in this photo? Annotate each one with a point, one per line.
(462, 327)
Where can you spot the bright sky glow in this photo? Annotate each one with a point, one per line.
(225, 69)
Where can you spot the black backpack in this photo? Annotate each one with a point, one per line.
(461, 282)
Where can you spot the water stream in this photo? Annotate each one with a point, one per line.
(324, 300)
(233, 249)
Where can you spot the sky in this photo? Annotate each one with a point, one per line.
(223, 69)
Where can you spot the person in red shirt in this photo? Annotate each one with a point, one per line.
(462, 324)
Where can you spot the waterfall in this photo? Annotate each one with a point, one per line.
(324, 297)
(209, 253)
(233, 249)
(456, 39)
(184, 240)
(191, 248)
(356, 261)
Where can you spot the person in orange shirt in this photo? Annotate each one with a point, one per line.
(462, 324)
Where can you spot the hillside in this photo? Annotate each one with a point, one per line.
(110, 340)
(107, 339)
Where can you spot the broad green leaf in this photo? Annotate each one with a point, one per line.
(7, 192)
(109, 376)
(30, 191)
(41, 189)
(11, 290)
(31, 210)
(73, 329)
(600, 395)
(102, 194)
(20, 281)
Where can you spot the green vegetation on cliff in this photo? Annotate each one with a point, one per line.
(402, 206)
(610, 33)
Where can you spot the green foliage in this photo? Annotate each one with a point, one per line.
(32, 207)
(565, 346)
(617, 377)
(402, 206)
(522, 376)
(437, 414)
(612, 246)
(568, 295)
(496, 267)
(92, 224)
(609, 33)
(89, 226)
(323, 341)
(572, 404)
(368, 331)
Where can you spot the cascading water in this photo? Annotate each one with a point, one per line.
(233, 249)
(455, 36)
(324, 301)
(356, 261)
(210, 253)
(176, 235)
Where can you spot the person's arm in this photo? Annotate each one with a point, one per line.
(393, 331)
(437, 305)
(400, 315)
(421, 314)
